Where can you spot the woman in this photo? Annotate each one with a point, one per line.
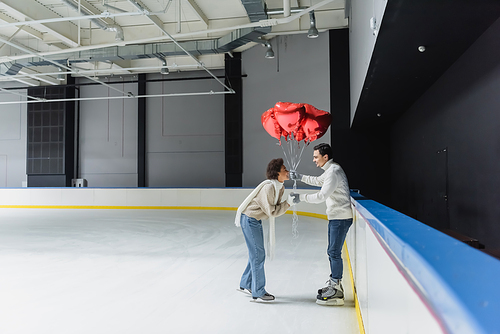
(264, 202)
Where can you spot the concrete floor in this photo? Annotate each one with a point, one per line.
(158, 271)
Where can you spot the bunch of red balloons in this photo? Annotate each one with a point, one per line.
(299, 121)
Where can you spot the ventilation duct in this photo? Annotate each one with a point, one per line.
(111, 27)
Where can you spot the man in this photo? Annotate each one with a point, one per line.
(335, 191)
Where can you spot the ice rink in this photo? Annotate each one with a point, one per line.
(158, 271)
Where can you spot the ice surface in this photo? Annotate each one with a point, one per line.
(157, 271)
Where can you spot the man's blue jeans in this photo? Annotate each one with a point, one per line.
(254, 277)
(337, 231)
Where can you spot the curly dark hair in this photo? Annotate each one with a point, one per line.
(273, 168)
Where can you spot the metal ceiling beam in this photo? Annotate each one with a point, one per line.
(58, 64)
(159, 24)
(40, 77)
(198, 11)
(32, 32)
(34, 10)
(70, 18)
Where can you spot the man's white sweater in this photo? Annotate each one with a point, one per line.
(334, 190)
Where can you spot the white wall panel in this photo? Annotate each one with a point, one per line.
(185, 135)
(200, 169)
(108, 137)
(13, 141)
(3, 170)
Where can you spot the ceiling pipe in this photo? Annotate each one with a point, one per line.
(108, 71)
(59, 65)
(111, 27)
(281, 11)
(129, 95)
(261, 23)
(286, 8)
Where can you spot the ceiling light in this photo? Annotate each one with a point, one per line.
(60, 76)
(421, 48)
(164, 70)
(269, 51)
(313, 32)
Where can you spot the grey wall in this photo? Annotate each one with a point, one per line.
(361, 43)
(298, 73)
(12, 141)
(460, 112)
(185, 134)
(108, 136)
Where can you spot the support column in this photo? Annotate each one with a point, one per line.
(141, 132)
(233, 122)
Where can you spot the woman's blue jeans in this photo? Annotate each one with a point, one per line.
(254, 277)
(337, 231)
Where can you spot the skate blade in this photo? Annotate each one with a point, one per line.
(258, 300)
(244, 291)
(331, 302)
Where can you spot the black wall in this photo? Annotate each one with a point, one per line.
(446, 147)
(363, 153)
(51, 137)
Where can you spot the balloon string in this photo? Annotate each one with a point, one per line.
(286, 157)
(295, 218)
(300, 155)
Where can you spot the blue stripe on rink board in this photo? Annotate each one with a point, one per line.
(460, 283)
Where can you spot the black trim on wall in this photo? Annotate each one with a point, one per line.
(233, 122)
(363, 154)
(141, 132)
(69, 135)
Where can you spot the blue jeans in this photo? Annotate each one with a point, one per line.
(254, 277)
(337, 230)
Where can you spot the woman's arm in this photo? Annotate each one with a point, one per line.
(265, 199)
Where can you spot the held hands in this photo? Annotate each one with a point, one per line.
(293, 198)
(294, 175)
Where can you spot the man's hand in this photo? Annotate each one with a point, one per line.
(294, 175)
(294, 198)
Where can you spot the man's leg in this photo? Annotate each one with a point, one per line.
(337, 231)
(333, 292)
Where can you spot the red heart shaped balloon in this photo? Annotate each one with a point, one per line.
(315, 123)
(271, 126)
(289, 115)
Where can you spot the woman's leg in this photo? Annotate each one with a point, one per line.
(254, 237)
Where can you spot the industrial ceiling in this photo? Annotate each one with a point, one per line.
(44, 41)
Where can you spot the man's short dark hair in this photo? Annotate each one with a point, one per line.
(273, 168)
(323, 149)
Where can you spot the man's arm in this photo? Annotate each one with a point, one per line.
(329, 184)
(316, 181)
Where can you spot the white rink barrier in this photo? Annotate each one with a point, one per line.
(135, 198)
(411, 278)
(408, 277)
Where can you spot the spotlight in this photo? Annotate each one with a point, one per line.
(60, 76)
(313, 32)
(164, 70)
(269, 51)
